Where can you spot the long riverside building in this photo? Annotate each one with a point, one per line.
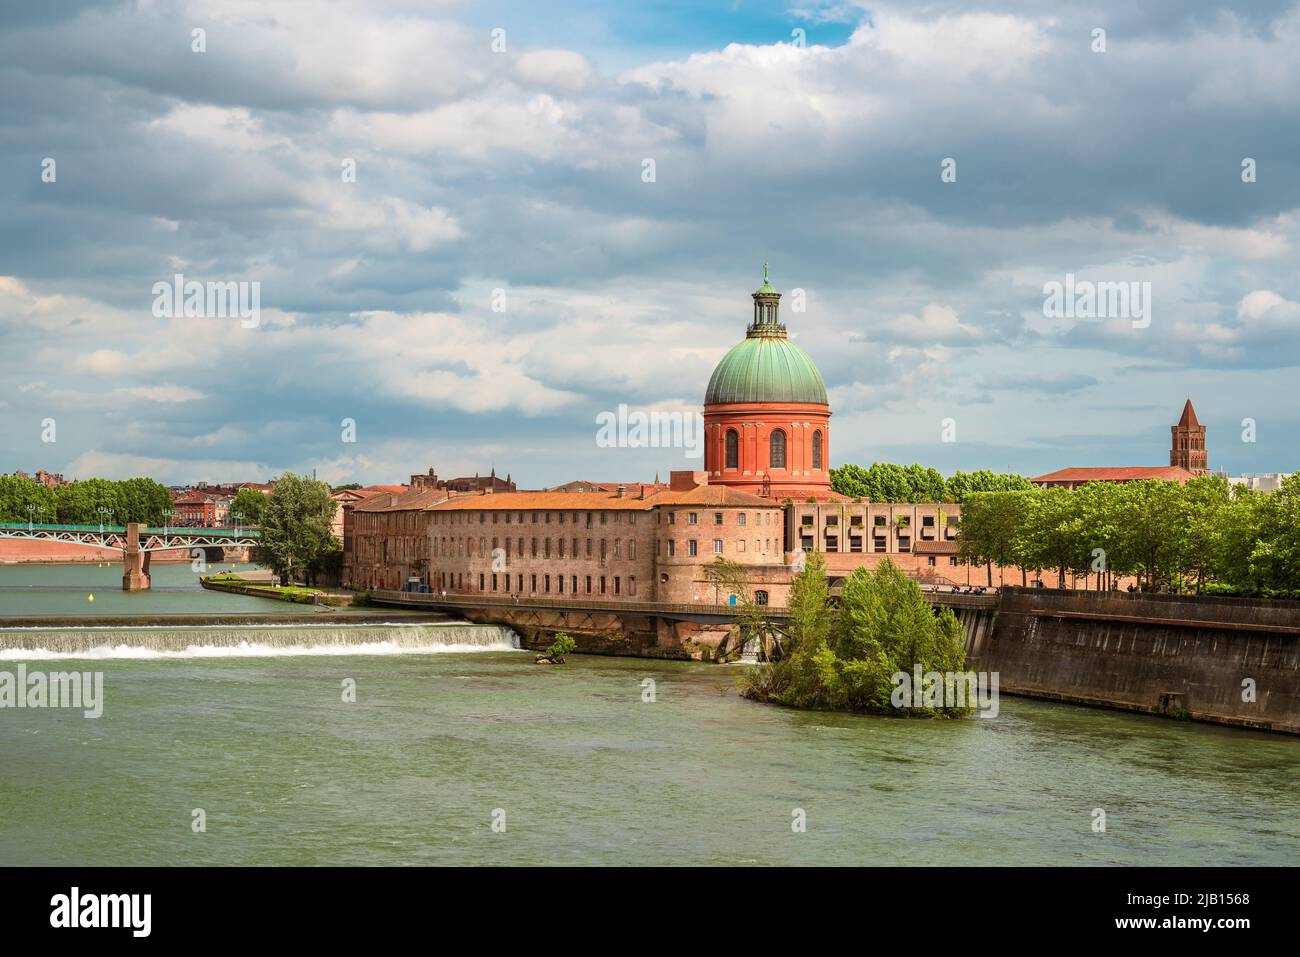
(656, 546)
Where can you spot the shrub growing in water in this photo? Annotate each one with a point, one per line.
(846, 660)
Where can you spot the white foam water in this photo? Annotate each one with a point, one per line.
(33, 644)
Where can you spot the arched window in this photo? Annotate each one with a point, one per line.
(760, 597)
(817, 451)
(733, 449)
(776, 449)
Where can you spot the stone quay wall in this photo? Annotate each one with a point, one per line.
(1201, 658)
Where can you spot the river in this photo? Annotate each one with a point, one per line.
(441, 741)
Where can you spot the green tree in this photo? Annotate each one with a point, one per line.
(964, 484)
(249, 504)
(142, 500)
(296, 526)
(732, 578)
(847, 661)
(990, 523)
(17, 493)
(78, 503)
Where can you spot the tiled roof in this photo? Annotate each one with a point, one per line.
(414, 499)
(556, 501)
(1169, 473)
(934, 548)
(1189, 415)
(711, 495)
(703, 495)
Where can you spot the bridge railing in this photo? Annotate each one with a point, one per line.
(169, 530)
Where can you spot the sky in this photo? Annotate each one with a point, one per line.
(502, 267)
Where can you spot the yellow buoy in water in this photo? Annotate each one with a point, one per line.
(90, 598)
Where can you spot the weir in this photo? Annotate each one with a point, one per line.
(250, 641)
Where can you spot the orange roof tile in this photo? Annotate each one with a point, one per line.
(1169, 473)
(414, 499)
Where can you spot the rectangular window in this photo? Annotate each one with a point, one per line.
(575, 583)
(602, 584)
(717, 546)
(546, 581)
(672, 518)
(631, 584)
(617, 585)
(953, 561)
(672, 548)
(589, 548)
(717, 518)
(740, 518)
(494, 581)
(692, 548)
(588, 584)
(692, 518)
(930, 561)
(559, 580)
(533, 582)
(631, 549)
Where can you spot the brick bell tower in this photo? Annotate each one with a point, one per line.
(1188, 446)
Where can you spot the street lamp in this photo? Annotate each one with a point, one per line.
(103, 512)
(31, 508)
(167, 514)
(236, 516)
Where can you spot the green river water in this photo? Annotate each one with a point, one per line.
(257, 734)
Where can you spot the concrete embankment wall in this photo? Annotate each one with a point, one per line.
(1184, 656)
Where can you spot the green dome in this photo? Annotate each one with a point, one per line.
(766, 367)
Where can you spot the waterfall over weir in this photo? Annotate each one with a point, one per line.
(252, 641)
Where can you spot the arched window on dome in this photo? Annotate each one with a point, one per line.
(817, 451)
(776, 449)
(733, 449)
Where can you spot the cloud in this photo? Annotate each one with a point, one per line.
(522, 171)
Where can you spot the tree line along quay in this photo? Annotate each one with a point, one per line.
(1202, 536)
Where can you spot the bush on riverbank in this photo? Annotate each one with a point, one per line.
(845, 659)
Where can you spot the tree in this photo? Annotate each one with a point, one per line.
(296, 526)
(964, 484)
(17, 493)
(249, 504)
(990, 522)
(731, 578)
(847, 661)
(142, 500)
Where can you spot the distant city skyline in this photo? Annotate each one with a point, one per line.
(463, 252)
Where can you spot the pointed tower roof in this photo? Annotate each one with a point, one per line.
(1189, 415)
